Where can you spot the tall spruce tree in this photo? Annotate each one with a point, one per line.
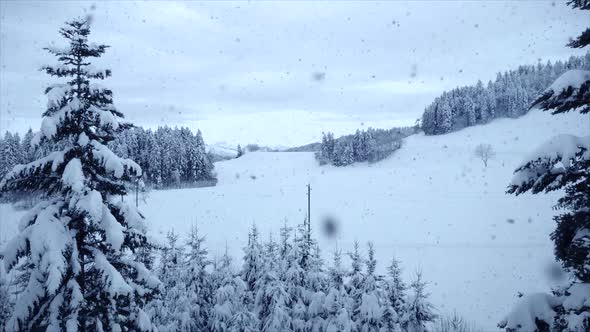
(81, 241)
(563, 163)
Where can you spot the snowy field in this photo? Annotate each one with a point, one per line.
(432, 204)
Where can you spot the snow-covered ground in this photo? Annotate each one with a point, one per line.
(432, 204)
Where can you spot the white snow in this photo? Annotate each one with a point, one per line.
(574, 78)
(73, 176)
(432, 204)
(562, 147)
(115, 281)
(579, 298)
(112, 162)
(54, 158)
(531, 307)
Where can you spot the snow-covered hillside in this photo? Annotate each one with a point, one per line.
(432, 204)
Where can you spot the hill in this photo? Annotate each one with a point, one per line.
(432, 203)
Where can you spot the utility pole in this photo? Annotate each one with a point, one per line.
(308, 211)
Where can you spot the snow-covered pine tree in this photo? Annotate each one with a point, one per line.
(272, 299)
(81, 240)
(338, 304)
(28, 150)
(11, 155)
(583, 39)
(240, 151)
(419, 311)
(171, 311)
(563, 163)
(197, 280)
(224, 298)
(316, 285)
(253, 266)
(295, 278)
(243, 320)
(355, 285)
(370, 311)
(395, 299)
(5, 301)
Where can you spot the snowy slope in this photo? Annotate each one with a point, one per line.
(432, 204)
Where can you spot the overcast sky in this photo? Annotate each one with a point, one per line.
(280, 73)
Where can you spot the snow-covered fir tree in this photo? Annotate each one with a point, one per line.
(171, 311)
(419, 311)
(338, 304)
(224, 298)
(197, 280)
(561, 163)
(81, 240)
(394, 304)
(370, 311)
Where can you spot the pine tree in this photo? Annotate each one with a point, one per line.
(272, 303)
(355, 284)
(370, 311)
(337, 303)
(395, 299)
(253, 267)
(81, 240)
(564, 163)
(198, 281)
(5, 303)
(316, 284)
(419, 311)
(240, 151)
(584, 39)
(28, 150)
(224, 299)
(171, 310)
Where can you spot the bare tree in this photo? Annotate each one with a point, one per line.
(484, 152)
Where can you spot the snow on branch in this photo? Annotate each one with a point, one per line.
(115, 281)
(548, 166)
(571, 91)
(113, 163)
(54, 159)
(529, 311)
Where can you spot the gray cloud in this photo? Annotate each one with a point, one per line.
(177, 62)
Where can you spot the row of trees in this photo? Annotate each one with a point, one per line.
(169, 157)
(508, 96)
(282, 286)
(369, 145)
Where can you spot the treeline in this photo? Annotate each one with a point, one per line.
(364, 145)
(282, 286)
(169, 157)
(508, 96)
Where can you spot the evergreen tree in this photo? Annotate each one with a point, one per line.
(198, 281)
(28, 150)
(171, 310)
(564, 163)
(5, 303)
(240, 151)
(81, 241)
(419, 311)
(369, 312)
(224, 300)
(253, 267)
(395, 299)
(272, 302)
(338, 304)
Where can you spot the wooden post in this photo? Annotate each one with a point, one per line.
(308, 211)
